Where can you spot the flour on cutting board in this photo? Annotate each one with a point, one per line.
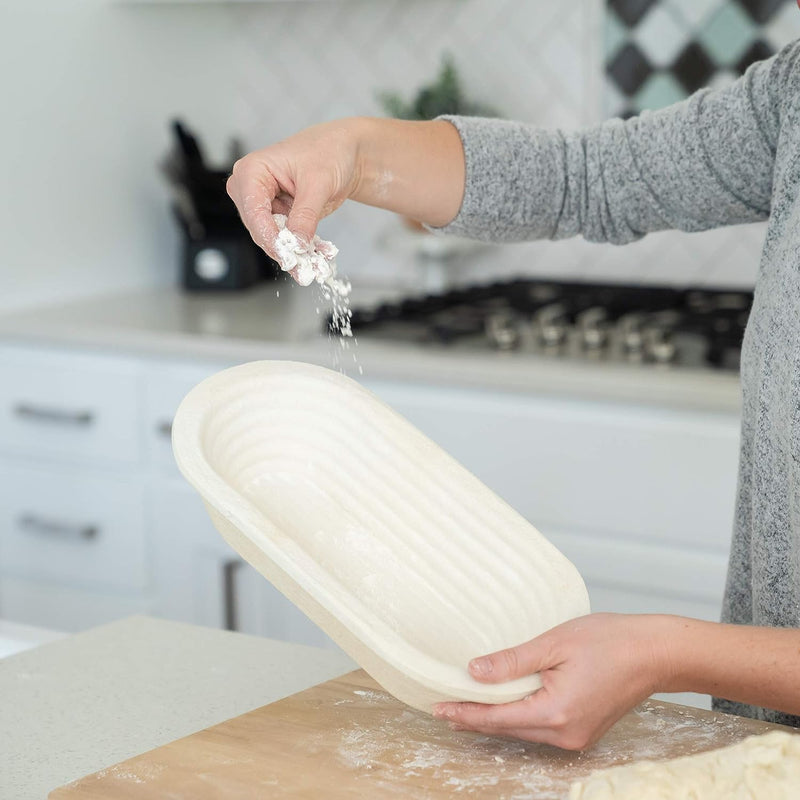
(402, 744)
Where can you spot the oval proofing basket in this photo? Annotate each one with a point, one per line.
(397, 552)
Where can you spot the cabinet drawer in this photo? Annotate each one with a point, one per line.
(687, 575)
(79, 528)
(69, 405)
(65, 608)
(627, 471)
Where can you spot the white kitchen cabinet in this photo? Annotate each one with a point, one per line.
(165, 385)
(73, 526)
(69, 405)
(639, 497)
(200, 579)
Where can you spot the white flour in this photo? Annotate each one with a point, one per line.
(315, 262)
(305, 261)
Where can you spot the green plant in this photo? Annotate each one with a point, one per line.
(444, 96)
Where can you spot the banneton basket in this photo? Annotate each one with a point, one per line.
(397, 552)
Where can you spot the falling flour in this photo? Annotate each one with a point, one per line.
(315, 262)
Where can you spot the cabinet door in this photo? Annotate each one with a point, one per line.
(74, 527)
(165, 387)
(67, 405)
(631, 471)
(641, 499)
(262, 610)
(200, 579)
(191, 561)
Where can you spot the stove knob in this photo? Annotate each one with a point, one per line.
(503, 331)
(660, 347)
(552, 325)
(631, 330)
(594, 327)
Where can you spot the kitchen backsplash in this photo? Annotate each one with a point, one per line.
(550, 63)
(658, 52)
(264, 70)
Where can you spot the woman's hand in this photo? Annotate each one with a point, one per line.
(594, 669)
(413, 168)
(305, 177)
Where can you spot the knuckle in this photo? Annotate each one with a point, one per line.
(558, 719)
(510, 661)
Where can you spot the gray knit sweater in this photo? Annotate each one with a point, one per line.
(719, 158)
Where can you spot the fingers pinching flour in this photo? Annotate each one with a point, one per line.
(305, 261)
(312, 261)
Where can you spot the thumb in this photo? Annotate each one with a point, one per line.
(513, 662)
(306, 211)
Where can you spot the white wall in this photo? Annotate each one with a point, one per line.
(89, 86)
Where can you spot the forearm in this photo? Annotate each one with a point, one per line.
(412, 168)
(757, 666)
(703, 163)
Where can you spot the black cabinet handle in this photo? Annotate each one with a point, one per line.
(59, 416)
(229, 570)
(165, 428)
(31, 523)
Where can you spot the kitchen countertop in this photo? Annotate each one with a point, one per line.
(74, 706)
(257, 324)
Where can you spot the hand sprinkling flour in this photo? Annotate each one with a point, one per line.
(312, 261)
(305, 261)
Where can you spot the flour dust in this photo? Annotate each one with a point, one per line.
(315, 262)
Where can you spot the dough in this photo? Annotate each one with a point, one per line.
(399, 554)
(759, 768)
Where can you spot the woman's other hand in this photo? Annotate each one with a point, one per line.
(594, 669)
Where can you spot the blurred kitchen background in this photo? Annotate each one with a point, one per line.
(625, 458)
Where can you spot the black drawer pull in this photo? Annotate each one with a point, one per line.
(31, 523)
(57, 415)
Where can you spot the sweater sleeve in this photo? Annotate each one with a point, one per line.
(700, 164)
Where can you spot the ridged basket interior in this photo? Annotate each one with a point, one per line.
(417, 560)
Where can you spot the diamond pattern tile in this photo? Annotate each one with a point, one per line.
(694, 13)
(761, 11)
(693, 68)
(631, 11)
(630, 69)
(728, 35)
(758, 51)
(689, 44)
(661, 36)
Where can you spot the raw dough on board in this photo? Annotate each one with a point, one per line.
(759, 768)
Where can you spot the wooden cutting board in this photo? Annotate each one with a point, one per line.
(347, 738)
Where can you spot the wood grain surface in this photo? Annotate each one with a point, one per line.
(347, 738)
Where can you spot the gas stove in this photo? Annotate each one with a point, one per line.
(620, 323)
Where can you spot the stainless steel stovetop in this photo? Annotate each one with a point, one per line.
(693, 327)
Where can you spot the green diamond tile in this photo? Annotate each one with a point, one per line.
(728, 35)
(660, 90)
(614, 35)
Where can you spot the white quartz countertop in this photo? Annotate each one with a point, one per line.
(77, 705)
(236, 327)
